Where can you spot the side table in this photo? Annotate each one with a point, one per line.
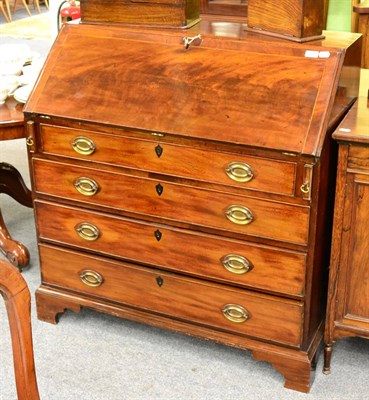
(348, 290)
(11, 182)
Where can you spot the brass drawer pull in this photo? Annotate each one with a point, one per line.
(87, 231)
(29, 141)
(91, 278)
(239, 215)
(236, 264)
(235, 313)
(83, 145)
(239, 171)
(86, 186)
(305, 187)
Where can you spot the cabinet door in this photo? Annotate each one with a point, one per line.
(354, 276)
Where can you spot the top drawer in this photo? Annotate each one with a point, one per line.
(166, 158)
(358, 157)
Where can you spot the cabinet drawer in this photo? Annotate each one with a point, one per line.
(196, 301)
(170, 201)
(165, 158)
(206, 256)
(358, 157)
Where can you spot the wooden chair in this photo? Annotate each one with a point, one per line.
(25, 5)
(6, 13)
(36, 4)
(16, 294)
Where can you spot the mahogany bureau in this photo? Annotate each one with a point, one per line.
(184, 181)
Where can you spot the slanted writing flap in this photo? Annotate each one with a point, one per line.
(269, 96)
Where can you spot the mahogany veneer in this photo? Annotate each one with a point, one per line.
(188, 187)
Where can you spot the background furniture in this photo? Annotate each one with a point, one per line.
(297, 20)
(25, 5)
(362, 26)
(16, 294)
(11, 182)
(36, 4)
(348, 292)
(181, 14)
(6, 12)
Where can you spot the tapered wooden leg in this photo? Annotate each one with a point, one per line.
(36, 4)
(6, 15)
(327, 359)
(8, 11)
(25, 6)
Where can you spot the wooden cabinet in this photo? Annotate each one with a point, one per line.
(362, 16)
(187, 186)
(154, 13)
(299, 20)
(348, 300)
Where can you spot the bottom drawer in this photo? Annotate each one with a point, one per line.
(197, 301)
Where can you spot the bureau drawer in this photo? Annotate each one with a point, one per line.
(161, 246)
(176, 160)
(170, 201)
(196, 301)
(358, 157)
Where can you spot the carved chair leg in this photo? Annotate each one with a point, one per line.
(12, 184)
(17, 300)
(13, 250)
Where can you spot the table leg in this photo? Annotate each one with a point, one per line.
(12, 184)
